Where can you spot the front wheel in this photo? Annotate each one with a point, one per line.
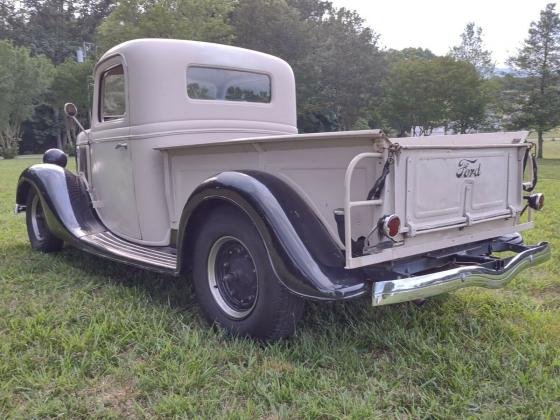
(40, 237)
(234, 282)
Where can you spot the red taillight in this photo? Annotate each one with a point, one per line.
(391, 225)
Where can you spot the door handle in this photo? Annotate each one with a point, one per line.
(121, 146)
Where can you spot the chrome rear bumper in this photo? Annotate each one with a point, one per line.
(402, 290)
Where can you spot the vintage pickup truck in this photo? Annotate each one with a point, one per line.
(193, 166)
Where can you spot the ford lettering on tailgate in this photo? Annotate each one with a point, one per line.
(468, 168)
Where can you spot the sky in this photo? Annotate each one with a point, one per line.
(438, 24)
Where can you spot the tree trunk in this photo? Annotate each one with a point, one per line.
(59, 138)
(540, 142)
(59, 131)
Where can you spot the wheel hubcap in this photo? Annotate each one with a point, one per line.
(232, 277)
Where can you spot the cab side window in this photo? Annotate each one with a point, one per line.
(113, 100)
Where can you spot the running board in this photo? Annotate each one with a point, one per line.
(106, 244)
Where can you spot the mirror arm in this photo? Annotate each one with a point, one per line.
(80, 126)
(71, 111)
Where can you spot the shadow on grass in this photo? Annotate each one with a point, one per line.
(322, 320)
(345, 339)
(165, 289)
(334, 327)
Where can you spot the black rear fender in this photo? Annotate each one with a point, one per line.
(305, 257)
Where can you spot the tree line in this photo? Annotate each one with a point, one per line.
(344, 79)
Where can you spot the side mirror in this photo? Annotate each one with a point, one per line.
(70, 109)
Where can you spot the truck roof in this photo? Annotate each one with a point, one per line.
(156, 73)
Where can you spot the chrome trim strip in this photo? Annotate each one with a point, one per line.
(403, 290)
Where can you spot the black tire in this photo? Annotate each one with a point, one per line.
(40, 237)
(247, 298)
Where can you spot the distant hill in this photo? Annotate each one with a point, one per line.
(503, 71)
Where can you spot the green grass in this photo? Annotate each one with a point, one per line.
(81, 336)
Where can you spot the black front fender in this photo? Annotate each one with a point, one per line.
(71, 217)
(303, 254)
(64, 200)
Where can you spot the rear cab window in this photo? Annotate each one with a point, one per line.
(220, 84)
(112, 104)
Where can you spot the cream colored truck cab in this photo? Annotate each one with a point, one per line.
(193, 164)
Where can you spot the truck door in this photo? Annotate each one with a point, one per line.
(111, 165)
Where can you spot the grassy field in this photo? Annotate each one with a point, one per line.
(80, 336)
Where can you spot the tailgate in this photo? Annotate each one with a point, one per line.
(459, 180)
(446, 190)
(460, 187)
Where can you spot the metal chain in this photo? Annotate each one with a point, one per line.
(379, 184)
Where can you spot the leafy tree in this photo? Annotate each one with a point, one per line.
(411, 97)
(54, 28)
(9, 18)
(202, 20)
(12, 20)
(464, 94)
(41, 131)
(280, 28)
(90, 15)
(538, 64)
(497, 95)
(350, 67)
(472, 51)
(409, 54)
(24, 79)
(311, 10)
(49, 28)
(315, 38)
(432, 93)
(73, 82)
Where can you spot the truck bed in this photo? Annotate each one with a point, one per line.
(447, 190)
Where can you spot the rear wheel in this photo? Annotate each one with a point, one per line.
(40, 237)
(234, 282)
